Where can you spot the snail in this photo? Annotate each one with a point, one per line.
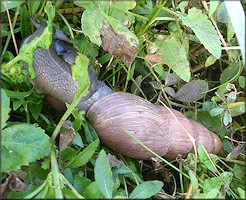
(112, 113)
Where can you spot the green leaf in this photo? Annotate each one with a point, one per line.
(213, 5)
(174, 55)
(192, 91)
(146, 190)
(216, 111)
(241, 193)
(92, 191)
(117, 38)
(227, 119)
(119, 10)
(237, 108)
(239, 171)
(10, 4)
(17, 95)
(5, 108)
(21, 144)
(193, 180)
(83, 157)
(25, 24)
(210, 60)
(212, 194)
(80, 74)
(230, 72)
(204, 30)
(205, 159)
(242, 81)
(27, 50)
(34, 5)
(50, 11)
(212, 123)
(103, 175)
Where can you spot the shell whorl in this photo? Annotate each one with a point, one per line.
(153, 125)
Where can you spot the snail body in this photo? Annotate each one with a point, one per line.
(113, 113)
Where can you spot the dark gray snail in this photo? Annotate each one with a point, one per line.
(112, 113)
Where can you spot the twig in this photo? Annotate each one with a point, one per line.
(11, 28)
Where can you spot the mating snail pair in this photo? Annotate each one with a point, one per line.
(112, 113)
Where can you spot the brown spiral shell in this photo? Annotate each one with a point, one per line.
(153, 125)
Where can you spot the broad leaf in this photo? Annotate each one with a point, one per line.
(80, 74)
(204, 30)
(237, 108)
(212, 7)
(117, 38)
(174, 55)
(10, 4)
(5, 109)
(103, 175)
(21, 144)
(146, 190)
(92, 191)
(83, 157)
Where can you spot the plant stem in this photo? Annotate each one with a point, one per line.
(68, 25)
(154, 16)
(55, 173)
(137, 15)
(35, 192)
(170, 11)
(66, 115)
(9, 35)
(71, 187)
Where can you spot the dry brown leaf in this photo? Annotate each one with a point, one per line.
(236, 151)
(153, 59)
(66, 138)
(113, 161)
(117, 44)
(11, 183)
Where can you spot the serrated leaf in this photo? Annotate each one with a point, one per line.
(192, 91)
(103, 175)
(83, 157)
(174, 55)
(204, 30)
(50, 10)
(5, 109)
(21, 144)
(117, 38)
(146, 190)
